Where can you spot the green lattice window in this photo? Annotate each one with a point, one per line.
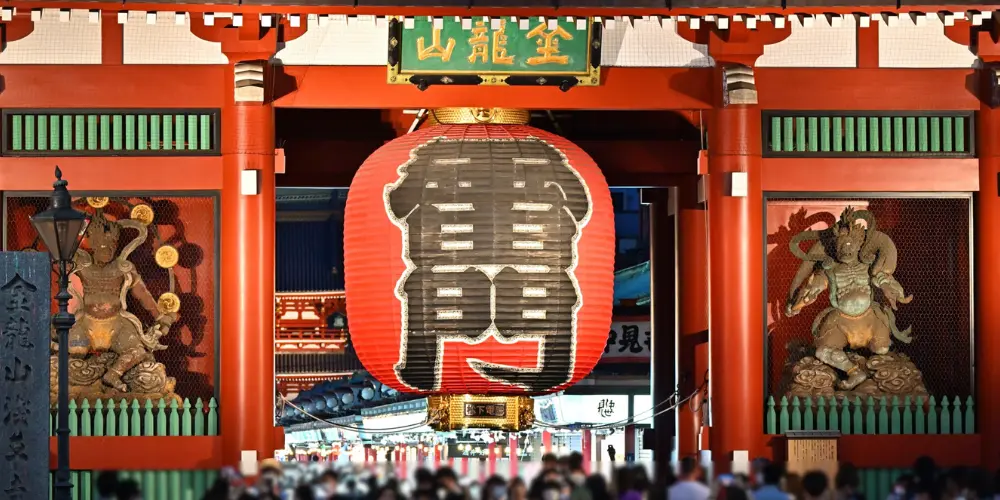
(110, 132)
(861, 134)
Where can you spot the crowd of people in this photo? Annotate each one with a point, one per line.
(566, 479)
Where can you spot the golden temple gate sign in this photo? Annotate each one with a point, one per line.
(563, 52)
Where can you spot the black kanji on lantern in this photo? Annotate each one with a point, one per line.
(490, 230)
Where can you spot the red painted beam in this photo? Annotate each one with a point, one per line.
(866, 89)
(195, 86)
(625, 163)
(621, 88)
(870, 174)
(142, 453)
(484, 11)
(196, 173)
(125, 86)
(647, 88)
(899, 450)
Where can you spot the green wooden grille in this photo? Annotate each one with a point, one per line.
(121, 418)
(823, 134)
(871, 416)
(110, 132)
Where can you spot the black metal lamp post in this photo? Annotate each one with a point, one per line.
(61, 229)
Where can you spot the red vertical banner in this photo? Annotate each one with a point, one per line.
(514, 459)
(586, 444)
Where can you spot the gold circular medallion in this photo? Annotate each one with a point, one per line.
(167, 256)
(98, 202)
(168, 303)
(143, 213)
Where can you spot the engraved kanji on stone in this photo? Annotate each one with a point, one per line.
(16, 489)
(19, 294)
(16, 410)
(17, 448)
(17, 330)
(18, 372)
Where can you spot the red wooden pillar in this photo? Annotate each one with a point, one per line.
(586, 448)
(736, 295)
(546, 442)
(988, 275)
(692, 311)
(247, 288)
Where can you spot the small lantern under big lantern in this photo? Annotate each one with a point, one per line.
(479, 258)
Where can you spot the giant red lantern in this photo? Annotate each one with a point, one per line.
(479, 259)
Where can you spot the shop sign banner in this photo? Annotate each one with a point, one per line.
(591, 409)
(25, 311)
(628, 342)
(494, 51)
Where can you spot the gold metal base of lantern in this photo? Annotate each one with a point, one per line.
(478, 116)
(467, 411)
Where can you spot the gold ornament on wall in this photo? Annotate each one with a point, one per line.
(167, 256)
(98, 201)
(168, 303)
(143, 213)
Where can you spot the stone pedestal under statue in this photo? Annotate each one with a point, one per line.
(889, 375)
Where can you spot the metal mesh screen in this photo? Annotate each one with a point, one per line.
(932, 236)
(189, 225)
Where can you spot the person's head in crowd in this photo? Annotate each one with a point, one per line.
(924, 469)
(757, 469)
(305, 492)
(329, 481)
(847, 480)
(549, 462)
(955, 483)
(107, 482)
(981, 483)
(574, 463)
(689, 469)
(387, 493)
(553, 490)
(494, 489)
(642, 478)
(598, 487)
(128, 490)
(447, 480)
(815, 484)
(901, 486)
(773, 474)
(625, 480)
(517, 490)
(734, 493)
(424, 479)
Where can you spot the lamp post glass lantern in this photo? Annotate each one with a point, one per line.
(61, 229)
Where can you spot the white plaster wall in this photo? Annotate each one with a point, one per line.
(650, 43)
(339, 41)
(166, 42)
(819, 46)
(907, 45)
(74, 41)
